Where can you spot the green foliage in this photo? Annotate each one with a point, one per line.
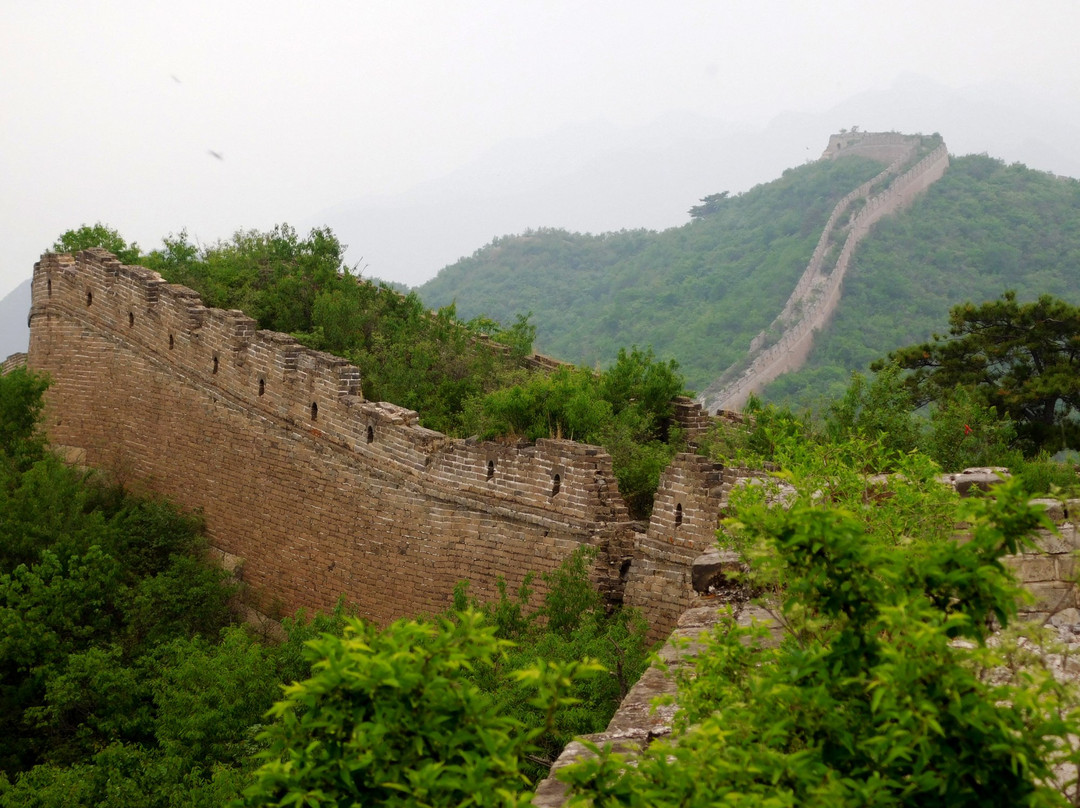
(959, 431)
(20, 405)
(207, 694)
(699, 292)
(572, 624)
(106, 697)
(881, 408)
(1042, 475)
(710, 205)
(1021, 359)
(627, 409)
(431, 362)
(983, 227)
(387, 719)
(962, 432)
(868, 701)
(97, 235)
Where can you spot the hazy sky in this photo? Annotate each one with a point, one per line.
(109, 110)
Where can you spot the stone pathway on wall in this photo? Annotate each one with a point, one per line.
(638, 721)
(811, 305)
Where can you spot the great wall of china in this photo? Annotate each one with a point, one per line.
(314, 492)
(818, 291)
(318, 493)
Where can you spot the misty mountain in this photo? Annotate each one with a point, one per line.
(14, 309)
(700, 292)
(599, 177)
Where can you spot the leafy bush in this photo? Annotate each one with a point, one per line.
(627, 409)
(869, 700)
(387, 719)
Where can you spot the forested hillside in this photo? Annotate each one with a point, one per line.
(698, 293)
(983, 228)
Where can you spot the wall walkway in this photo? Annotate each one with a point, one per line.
(812, 303)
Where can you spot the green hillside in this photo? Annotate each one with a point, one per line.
(983, 228)
(698, 293)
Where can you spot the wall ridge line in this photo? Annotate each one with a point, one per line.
(816, 295)
(320, 491)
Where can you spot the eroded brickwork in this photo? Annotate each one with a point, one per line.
(17, 360)
(320, 492)
(689, 504)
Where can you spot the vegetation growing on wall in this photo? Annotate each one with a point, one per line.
(885, 691)
(463, 378)
(627, 409)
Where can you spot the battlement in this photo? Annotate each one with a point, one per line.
(274, 375)
(888, 147)
(296, 471)
(16, 360)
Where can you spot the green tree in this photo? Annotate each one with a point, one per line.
(97, 235)
(1023, 359)
(21, 394)
(880, 408)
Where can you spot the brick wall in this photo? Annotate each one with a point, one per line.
(16, 360)
(818, 292)
(319, 491)
(689, 504)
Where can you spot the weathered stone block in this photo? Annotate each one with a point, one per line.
(717, 569)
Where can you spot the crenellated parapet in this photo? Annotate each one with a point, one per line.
(887, 147)
(16, 360)
(319, 490)
(691, 501)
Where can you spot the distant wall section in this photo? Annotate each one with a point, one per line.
(16, 360)
(818, 292)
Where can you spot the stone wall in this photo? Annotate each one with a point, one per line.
(689, 504)
(812, 303)
(1048, 572)
(16, 360)
(888, 147)
(320, 492)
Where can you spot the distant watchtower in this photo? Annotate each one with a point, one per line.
(884, 146)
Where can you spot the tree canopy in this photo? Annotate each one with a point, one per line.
(1021, 358)
(97, 235)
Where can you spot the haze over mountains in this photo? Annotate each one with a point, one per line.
(597, 177)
